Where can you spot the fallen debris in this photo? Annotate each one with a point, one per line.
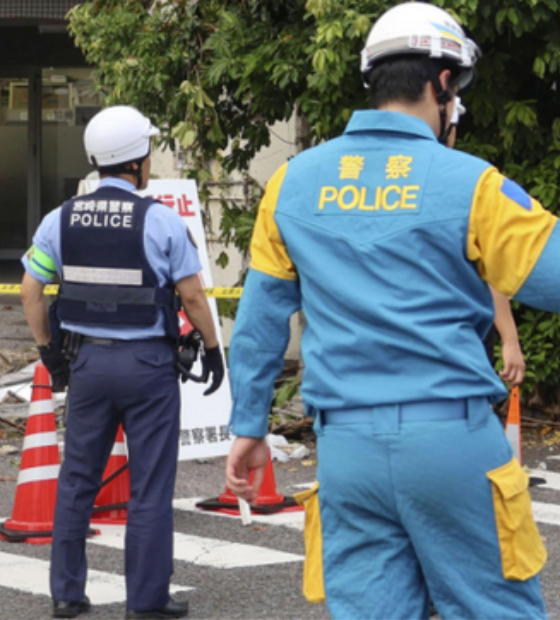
(6, 450)
(283, 451)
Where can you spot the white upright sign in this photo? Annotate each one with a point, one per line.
(204, 419)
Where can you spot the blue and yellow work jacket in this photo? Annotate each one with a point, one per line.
(386, 240)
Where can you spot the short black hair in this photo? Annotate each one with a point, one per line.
(403, 78)
(123, 168)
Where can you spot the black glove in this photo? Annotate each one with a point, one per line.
(57, 365)
(213, 363)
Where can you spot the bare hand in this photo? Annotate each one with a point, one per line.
(247, 455)
(514, 363)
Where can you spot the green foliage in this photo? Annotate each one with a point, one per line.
(237, 222)
(540, 334)
(287, 391)
(216, 75)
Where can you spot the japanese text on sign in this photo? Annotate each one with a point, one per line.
(181, 203)
(207, 434)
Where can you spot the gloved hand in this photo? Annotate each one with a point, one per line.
(57, 365)
(213, 364)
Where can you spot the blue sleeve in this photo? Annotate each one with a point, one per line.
(542, 288)
(256, 354)
(168, 247)
(47, 240)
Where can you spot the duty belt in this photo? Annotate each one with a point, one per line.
(106, 341)
(94, 340)
(419, 411)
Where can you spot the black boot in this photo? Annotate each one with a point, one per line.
(173, 609)
(70, 609)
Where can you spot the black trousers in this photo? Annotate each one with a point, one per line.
(134, 384)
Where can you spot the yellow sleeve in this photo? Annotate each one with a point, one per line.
(268, 252)
(507, 232)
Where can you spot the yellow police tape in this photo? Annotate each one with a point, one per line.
(52, 289)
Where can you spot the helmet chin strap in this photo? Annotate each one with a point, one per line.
(444, 130)
(443, 97)
(138, 174)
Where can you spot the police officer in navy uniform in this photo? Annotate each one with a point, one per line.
(120, 260)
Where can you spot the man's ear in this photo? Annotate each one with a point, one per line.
(444, 78)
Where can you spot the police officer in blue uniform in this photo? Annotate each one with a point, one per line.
(387, 240)
(120, 259)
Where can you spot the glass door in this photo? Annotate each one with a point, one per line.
(43, 114)
(68, 101)
(14, 151)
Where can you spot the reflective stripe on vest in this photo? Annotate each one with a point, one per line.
(99, 275)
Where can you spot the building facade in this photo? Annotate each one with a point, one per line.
(46, 97)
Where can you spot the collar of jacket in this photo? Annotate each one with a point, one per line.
(392, 122)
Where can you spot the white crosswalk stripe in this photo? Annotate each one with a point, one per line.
(546, 513)
(204, 551)
(32, 575)
(552, 479)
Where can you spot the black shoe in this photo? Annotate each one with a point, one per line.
(173, 609)
(70, 609)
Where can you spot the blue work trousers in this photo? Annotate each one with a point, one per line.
(407, 512)
(134, 384)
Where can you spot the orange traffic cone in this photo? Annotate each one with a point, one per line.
(513, 432)
(267, 493)
(112, 500)
(268, 501)
(513, 424)
(33, 514)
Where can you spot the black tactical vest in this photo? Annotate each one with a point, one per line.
(106, 278)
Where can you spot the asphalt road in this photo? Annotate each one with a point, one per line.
(226, 570)
(227, 574)
(230, 581)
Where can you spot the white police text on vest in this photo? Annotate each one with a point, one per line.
(101, 220)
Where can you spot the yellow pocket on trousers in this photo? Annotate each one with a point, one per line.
(313, 583)
(522, 550)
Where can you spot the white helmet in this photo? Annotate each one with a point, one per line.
(419, 28)
(458, 111)
(117, 135)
